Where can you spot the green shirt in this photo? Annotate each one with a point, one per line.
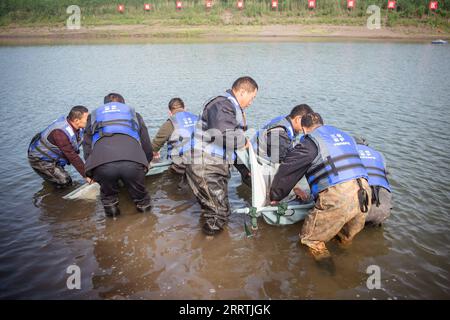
(163, 135)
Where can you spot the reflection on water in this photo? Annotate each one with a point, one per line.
(394, 94)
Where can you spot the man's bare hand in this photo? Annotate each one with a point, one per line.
(89, 180)
(302, 195)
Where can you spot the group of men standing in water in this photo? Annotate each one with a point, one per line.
(346, 177)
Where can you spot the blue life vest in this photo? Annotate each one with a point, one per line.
(114, 118)
(301, 137)
(41, 148)
(259, 141)
(211, 147)
(337, 160)
(240, 114)
(181, 139)
(375, 166)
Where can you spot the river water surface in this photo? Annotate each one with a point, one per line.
(397, 95)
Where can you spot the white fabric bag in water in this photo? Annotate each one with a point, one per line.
(263, 172)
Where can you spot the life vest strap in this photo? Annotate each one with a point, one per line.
(45, 154)
(376, 168)
(376, 175)
(363, 197)
(59, 155)
(338, 169)
(102, 124)
(99, 126)
(375, 195)
(331, 161)
(333, 167)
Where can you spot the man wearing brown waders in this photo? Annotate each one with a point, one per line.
(329, 159)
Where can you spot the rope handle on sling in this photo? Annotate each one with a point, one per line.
(281, 211)
(254, 224)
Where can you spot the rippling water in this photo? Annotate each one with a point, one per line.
(396, 95)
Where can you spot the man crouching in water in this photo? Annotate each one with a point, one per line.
(59, 145)
(337, 179)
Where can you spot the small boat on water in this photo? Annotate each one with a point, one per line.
(440, 41)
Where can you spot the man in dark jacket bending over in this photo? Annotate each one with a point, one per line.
(117, 146)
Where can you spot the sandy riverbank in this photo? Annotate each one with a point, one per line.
(145, 33)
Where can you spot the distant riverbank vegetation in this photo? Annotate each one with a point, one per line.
(225, 12)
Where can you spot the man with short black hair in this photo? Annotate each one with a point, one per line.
(117, 147)
(177, 132)
(113, 97)
(277, 136)
(59, 145)
(329, 159)
(218, 134)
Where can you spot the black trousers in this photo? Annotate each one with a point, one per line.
(132, 175)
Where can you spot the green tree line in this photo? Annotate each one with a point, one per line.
(194, 11)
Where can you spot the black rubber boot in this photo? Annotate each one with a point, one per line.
(65, 185)
(144, 208)
(112, 210)
(211, 227)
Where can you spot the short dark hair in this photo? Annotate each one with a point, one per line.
(77, 112)
(113, 97)
(176, 103)
(246, 83)
(311, 119)
(300, 110)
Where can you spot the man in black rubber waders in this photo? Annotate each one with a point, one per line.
(219, 132)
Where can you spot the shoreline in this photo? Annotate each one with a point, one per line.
(204, 33)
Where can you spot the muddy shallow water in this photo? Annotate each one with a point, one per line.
(396, 95)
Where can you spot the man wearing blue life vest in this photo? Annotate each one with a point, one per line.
(59, 145)
(277, 136)
(117, 147)
(218, 133)
(177, 132)
(378, 182)
(329, 159)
